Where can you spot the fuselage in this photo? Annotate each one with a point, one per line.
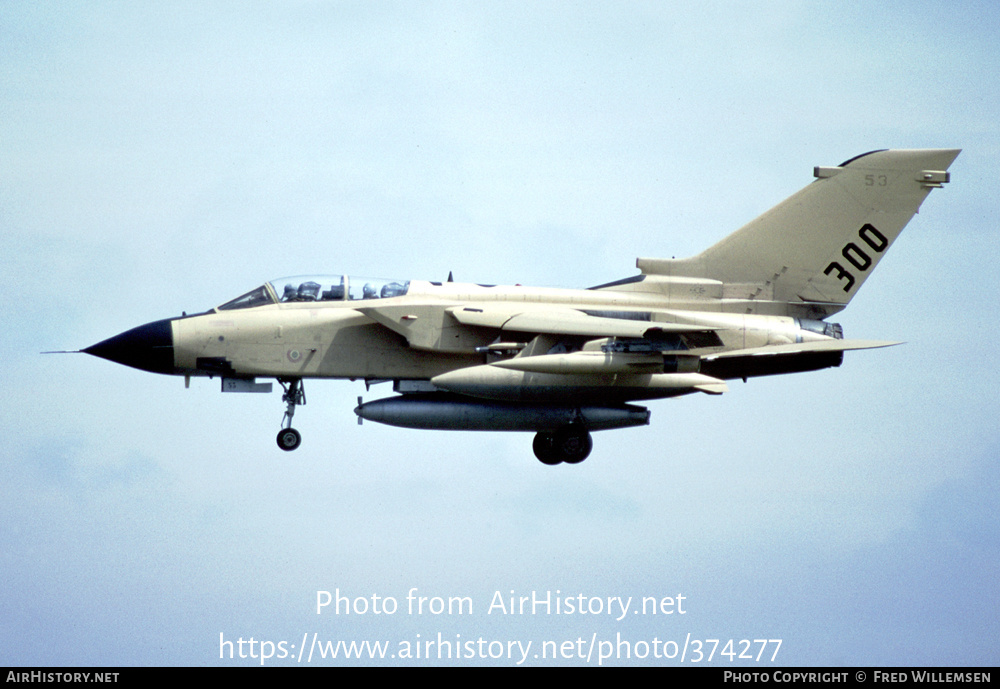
(267, 334)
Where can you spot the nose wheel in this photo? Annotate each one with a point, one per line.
(288, 438)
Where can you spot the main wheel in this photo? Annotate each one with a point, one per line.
(289, 439)
(546, 449)
(573, 445)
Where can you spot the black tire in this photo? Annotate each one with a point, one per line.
(573, 445)
(546, 449)
(289, 439)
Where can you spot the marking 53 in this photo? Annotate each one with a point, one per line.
(857, 256)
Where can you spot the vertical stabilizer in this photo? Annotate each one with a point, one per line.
(822, 243)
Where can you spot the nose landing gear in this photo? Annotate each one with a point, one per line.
(288, 438)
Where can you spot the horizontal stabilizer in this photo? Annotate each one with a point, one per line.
(803, 348)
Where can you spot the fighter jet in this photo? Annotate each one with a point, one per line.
(564, 363)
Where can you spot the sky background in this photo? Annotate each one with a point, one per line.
(168, 156)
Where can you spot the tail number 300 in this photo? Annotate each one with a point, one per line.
(857, 256)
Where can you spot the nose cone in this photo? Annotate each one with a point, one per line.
(149, 347)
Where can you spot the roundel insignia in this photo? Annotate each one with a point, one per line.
(294, 355)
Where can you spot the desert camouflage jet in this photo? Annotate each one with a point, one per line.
(564, 362)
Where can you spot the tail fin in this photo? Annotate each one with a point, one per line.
(820, 244)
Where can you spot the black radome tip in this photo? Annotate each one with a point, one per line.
(149, 347)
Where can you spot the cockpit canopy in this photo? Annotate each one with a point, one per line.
(306, 288)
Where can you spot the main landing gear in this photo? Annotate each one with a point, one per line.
(571, 444)
(289, 438)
